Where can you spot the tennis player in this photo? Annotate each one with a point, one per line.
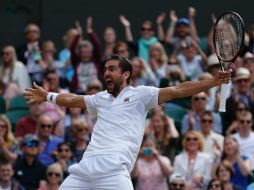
(121, 111)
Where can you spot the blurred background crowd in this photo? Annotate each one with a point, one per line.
(187, 144)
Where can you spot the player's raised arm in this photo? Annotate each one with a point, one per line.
(38, 94)
(190, 88)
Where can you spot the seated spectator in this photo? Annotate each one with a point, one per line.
(122, 49)
(224, 173)
(29, 165)
(151, 168)
(93, 87)
(13, 75)
(54, 178)
(64, 157)
(177, 182)
(147, 39)
(29, 53)
(158, 61)
(245, 136)
(248, 62)
(27, 124)
(215, 184)
(165, 133)
(6, 177)
(109, 38)
(191, 121)
(8, 144)
(240, 163)
(211, 138)
(80, 135)
(48, 141)
(192, 163)
(142, 73)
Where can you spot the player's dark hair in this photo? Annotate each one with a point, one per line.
(124, 64)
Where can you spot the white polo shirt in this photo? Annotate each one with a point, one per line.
(120, 122)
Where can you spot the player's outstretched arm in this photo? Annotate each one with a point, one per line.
(190, 88)
(38, 94)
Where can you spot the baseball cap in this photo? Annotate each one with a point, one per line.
(242, 73)
(183, 21)
(29, 138)
(212, 60)
(176, 176)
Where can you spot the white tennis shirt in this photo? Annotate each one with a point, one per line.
(120, 122)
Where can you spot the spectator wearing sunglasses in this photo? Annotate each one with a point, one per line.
(245, 135)
(211, 138)
(48, 141)
(215, 184)
(29, 165)
(193, 163)
(54, 178)
(177, 182)
(191, 121)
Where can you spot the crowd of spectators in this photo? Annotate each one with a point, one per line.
(203, 149)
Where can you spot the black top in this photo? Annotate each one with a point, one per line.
(29, 175)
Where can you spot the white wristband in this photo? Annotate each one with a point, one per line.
(51, 97)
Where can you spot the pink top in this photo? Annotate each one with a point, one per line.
(150, 175)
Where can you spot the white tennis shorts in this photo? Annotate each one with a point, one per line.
(100, 172)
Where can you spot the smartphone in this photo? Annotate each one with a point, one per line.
(147, 151)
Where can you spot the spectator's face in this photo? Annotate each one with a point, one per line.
(81, 132)
(123, 51)
(36, 109)
(206, 123)
(75, 111)
(182, 30)
(64, 152)
(230, 146)
(147, 31)
(243, 86)
(244, 124)
(157, 123)
(199, 101)
(31, 148)
(45, 127)
(189, 52)
(240, 108)
(215, 185)
(70, 38)
(7, 55)
(137, 67)
(85, 53)
(109, 35)
(155, 54)
(113, 77)
(177, 185)
(192, 142)
(93, 90)
(32, 33)
(6, 172)
(53, 81)
(223, 174)
(53, 177)
(3, 128)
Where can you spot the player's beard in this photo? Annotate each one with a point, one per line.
(117, 86)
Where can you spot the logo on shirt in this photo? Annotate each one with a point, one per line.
(126, 100)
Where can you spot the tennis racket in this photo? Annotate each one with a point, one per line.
(228, 40)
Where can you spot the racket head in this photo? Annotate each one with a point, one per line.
(228, 37)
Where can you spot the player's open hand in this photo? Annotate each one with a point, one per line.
(36, 94)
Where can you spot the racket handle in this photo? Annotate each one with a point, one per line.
(223, 97)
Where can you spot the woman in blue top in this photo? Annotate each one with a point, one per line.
(241, 164)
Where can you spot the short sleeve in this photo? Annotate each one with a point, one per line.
(90, 103)
(149, 95)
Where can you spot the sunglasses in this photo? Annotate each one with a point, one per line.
(245, 121)
(31, 144)
(64, 150)
(2, 126)
(242, 109)
(5, 53)
(196, 98)
(146, 29)
(243, 80)
(177, 185)
(81, 129)
(207, 121)
(215, 186)
(51, 79)
(43, 126)
(53, 173)
(191, 139)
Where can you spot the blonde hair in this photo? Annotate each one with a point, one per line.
(48, 45)
(3, 66)
(77, 124)
(8, 137)
(198, 136)
(56, 167)
(70, 32)
(158, 46)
